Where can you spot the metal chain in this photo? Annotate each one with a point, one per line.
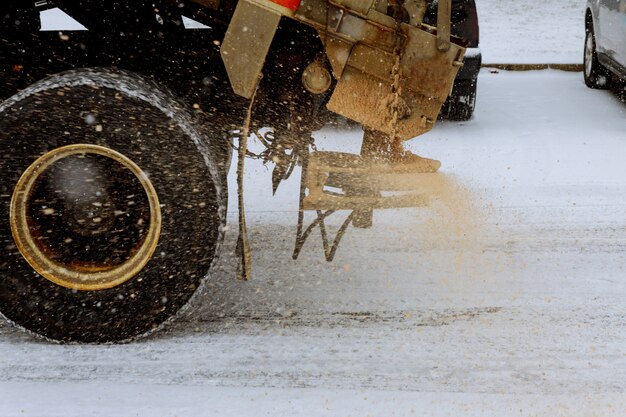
(396, 88)
(236, 134)
(244, 270)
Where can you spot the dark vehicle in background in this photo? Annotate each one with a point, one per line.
(462, 101)
(605, 43)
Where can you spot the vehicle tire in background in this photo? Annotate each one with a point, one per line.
(462, 101)
(595, 74)
(112, 206)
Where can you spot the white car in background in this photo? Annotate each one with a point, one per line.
(605, 43)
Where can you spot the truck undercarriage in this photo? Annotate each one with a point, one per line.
(116, 140)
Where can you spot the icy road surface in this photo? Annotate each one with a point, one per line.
(505, 298)
(532, 31)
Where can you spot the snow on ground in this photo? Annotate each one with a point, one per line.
(269, 402)
(513, 306)
(532, 31)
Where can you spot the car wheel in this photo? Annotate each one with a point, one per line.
(595, 74)
(111, 205)
(462, 101)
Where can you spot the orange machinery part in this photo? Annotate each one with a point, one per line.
(290, 4)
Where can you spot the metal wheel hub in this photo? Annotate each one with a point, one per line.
(85, 217)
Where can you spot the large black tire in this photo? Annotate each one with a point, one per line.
(128, 114)
(595, 74)
(461, 103)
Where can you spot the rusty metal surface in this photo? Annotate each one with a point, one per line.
(444, 14)
(360, 42)
(332, 21)
(349, 172)
(338, 53)
(358, 6)
(427, 75)
(416, 10)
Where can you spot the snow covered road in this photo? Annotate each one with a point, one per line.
(507, 297)
(532, 31)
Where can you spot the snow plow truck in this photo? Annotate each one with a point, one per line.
(116, 141)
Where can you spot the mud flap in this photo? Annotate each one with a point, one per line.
(248, 41)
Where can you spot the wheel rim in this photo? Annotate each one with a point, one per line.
(85, 217)
(589, 47)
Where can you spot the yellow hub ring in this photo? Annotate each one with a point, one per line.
(68, 275)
